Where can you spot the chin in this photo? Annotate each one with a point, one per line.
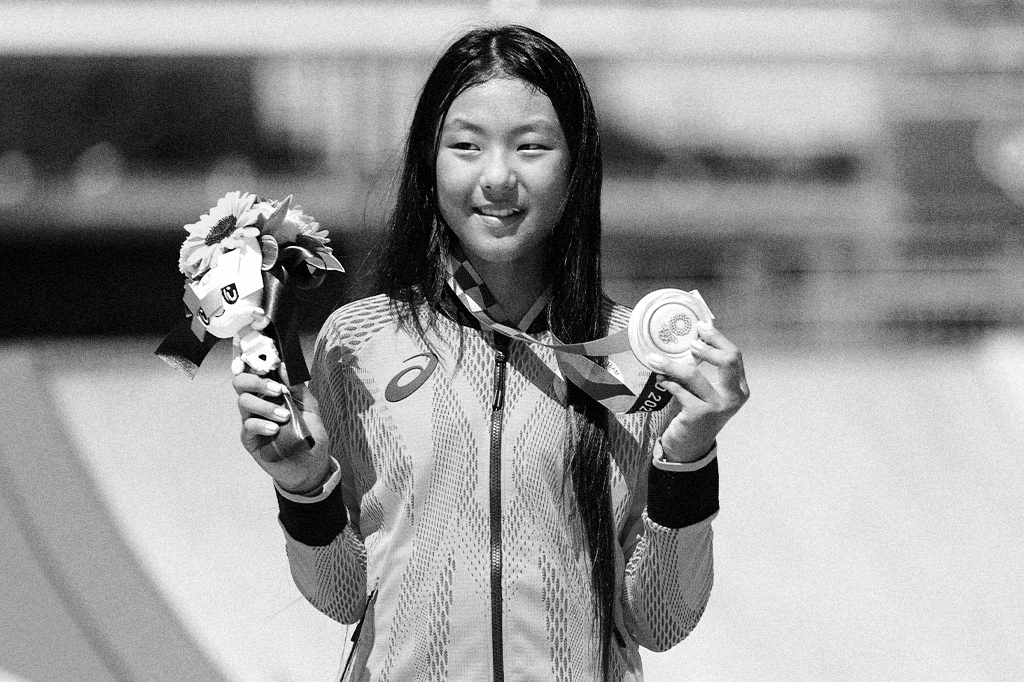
(498, 254)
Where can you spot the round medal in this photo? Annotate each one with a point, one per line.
(664, 322)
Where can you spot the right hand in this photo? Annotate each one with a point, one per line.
(296, 467)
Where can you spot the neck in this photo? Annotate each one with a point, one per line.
(516, 285)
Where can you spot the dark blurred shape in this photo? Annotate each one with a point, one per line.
(836, 167)
(978, 11)
(86, 125)
(58, 283)
(627, 155)
(16, 177)
(166, 113)
(278, 156)
(938, 168)
(121, 283)
(688, 259)
(947, 326)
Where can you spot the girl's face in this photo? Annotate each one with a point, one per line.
(502, 171)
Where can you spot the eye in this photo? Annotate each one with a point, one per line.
(463, 146)
(534, 147)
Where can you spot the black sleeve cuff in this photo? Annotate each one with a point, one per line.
(313, 523)
(676, 499)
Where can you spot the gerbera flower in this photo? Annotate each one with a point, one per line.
(288, 227)
(225, 227)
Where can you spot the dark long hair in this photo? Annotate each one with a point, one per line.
(575, 312)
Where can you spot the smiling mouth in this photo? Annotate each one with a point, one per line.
(493, 212)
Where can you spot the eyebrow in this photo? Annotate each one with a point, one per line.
(537, 124)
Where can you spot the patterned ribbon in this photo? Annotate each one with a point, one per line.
(590, 377)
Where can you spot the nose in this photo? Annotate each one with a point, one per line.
(498, 174)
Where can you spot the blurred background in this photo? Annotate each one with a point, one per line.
(841, 179)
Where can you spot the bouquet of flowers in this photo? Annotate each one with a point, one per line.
(242, 262)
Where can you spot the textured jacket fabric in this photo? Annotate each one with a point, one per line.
(427, 538)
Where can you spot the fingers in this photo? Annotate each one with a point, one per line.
(683, 380)
(253, 383)
(253, 428)
(250, 405)
(714, 348)
(261, 420)
(260, 417)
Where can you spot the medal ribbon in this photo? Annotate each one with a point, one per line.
(584, 373)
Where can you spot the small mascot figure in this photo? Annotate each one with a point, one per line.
(255, 351)
(226, 300)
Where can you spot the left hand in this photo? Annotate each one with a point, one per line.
(706, 406)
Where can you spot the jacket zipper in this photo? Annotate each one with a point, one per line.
(355, 635)
(497, 413)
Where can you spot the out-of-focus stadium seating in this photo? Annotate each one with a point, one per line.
(843, 166)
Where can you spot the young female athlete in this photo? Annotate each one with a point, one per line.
(481, 515)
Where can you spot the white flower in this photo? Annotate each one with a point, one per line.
(288, 228)
(224, 228)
